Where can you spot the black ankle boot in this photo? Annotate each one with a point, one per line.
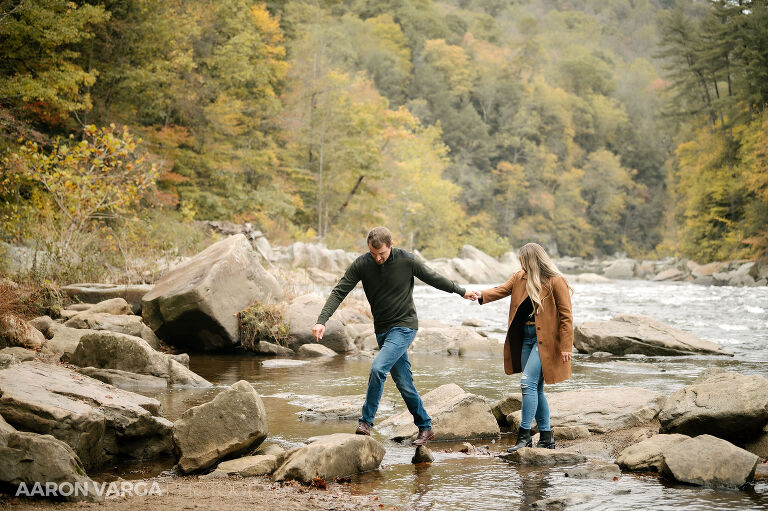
(546, 440)
(523, 440)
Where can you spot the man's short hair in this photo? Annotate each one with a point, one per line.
(379, 236)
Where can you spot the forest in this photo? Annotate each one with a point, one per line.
(595, 128)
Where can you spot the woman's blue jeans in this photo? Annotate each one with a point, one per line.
(393, 359)
(532, 383)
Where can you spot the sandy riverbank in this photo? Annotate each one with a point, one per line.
(182, 493)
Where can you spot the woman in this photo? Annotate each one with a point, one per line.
(539, 336)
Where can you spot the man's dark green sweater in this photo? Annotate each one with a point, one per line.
(388, 288)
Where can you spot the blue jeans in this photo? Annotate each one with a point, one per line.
(532, 383)
(393, 359)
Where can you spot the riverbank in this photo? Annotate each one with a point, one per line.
(231, 494)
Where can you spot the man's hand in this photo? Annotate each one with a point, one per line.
(567, 356)
(471, 295)
(317, 331)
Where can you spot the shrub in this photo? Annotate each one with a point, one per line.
(262, 322)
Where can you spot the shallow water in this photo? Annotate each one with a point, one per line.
(736, 318)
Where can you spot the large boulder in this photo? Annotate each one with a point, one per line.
(111, 350)
(648, 454)
(100, 422)
(17, 332)
(195, 304)
(505, 406)
(330, 457)
(124, 324)
(635, 334)
(727, 405)
(28, 458)
(537, 456)
(621, 269)
(455, 414)
(456, 340)
(96, 293)
(603, 410)
(301, 315)
(63, 341)
(709, 461)
(233, 423)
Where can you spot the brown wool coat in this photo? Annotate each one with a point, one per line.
(554, 325)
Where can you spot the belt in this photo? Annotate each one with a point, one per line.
(530, 323)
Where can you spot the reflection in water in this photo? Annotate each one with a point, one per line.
(459, 482)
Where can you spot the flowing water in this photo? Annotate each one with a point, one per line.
(736, 318)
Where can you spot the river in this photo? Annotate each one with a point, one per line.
(736, 318)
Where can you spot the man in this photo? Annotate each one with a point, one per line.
(387, 274)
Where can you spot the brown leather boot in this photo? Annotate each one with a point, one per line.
(363, 428)
(424, 436)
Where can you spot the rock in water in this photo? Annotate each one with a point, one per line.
(330, 457)
(456, 415)
(503, 407)
(422, 455)
(100, 422)
(111, 350)
(536, 456)
(301, 314)
(195, 304)
(631, 333)
(727, 405)
(234, 422)
(709, 461)
(30, 458)
(648, 454)
(248, 466)
(124, 324)
(315, 351)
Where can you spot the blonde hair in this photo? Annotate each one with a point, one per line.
(539, 268)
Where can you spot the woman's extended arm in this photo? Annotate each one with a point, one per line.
(496, 293)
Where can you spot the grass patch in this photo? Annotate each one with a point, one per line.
(262, 322)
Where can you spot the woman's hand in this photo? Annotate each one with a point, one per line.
(567, 356)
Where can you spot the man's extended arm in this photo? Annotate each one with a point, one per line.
(434, 279)
(346, 284)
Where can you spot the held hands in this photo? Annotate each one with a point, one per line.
(317, 331)
(472, 295)
(567, 356)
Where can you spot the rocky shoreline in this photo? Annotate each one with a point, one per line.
(69, 401)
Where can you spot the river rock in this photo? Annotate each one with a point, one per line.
(422, 455)
(621, 269)
(635, 334)
(608, 471)
(603, 410)
(100, 422)
(330, 457)
(124, 324)
(111, 350)
(22, 354)
(315, 351)
(63, 340)
(570, 432)
(537, 456)
(31, 458)
(564, 501)
(648, 454)
(195, 304)
(117, 306)
(7, 360)
(727, 405)
(269, 349)
(234, 422)
(307, 255)
(457, 340)
(505, 406)
(248, 466)
(705, 270)
(301, 315)
(709, 461)
(588, 278)
(759, 445)
(456, 415)
(17, 332)
(331, 408)
(671, 274)
(96, 293)
(125, 380)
